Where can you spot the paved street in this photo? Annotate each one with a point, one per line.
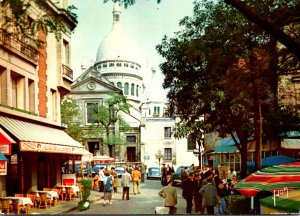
(143, 203)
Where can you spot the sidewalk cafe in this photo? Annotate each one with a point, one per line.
(35, 155)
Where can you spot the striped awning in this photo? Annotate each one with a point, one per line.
(271, 178)
(40, 138)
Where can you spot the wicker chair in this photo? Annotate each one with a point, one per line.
(35, 200)
(56, 199)
(18, 208)
(6, 206)
(70, 193)
(45, 200)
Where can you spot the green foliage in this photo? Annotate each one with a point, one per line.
(18, 24)
(86, 192)
(70, 116)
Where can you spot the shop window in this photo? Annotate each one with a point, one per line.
(126, 89)
(132, 89)
(168, 132)
(168, 154)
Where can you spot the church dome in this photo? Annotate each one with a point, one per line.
(117, 45)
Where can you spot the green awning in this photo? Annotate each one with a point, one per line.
(225, 149)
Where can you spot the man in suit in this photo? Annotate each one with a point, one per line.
(125, 183)
(197, 184)
(169, 193)
(210, 196)
(187, 192)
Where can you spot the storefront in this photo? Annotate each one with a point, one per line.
(36, 154)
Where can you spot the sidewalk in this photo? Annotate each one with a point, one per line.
(66, 206)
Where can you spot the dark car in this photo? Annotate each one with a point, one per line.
(98, 166)
(176, 176)
(120, 171)
(153, 173)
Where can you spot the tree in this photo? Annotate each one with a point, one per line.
(107, 115)
(220, 67)
(291, 7)
(15, 19)
(70, 116)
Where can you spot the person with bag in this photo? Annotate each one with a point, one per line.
(169, 193)
(108, 188)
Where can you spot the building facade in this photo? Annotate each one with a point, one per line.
(32, 82)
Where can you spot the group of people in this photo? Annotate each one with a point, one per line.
(203, 187)
(107, 181)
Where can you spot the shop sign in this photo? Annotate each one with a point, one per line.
(50, 148)
(3, 167)
(5, 149)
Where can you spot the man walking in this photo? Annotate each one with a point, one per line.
(169, 193)
(136, 178)
(210, 196)
(187, 192)
(125, 183)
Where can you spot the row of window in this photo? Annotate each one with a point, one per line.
(117, 64)
(134, 89)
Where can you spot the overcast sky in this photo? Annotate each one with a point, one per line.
(147, 22)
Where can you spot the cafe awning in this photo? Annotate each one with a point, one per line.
(103, 159)
(40, 138)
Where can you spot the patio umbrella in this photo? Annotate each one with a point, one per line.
(270, 178)
(103, 159)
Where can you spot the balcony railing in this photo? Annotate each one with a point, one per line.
(67, 71)
(14, 44)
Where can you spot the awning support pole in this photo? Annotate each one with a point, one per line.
(252, 202)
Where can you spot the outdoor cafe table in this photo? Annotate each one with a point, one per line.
(22, 200)
(50, 194)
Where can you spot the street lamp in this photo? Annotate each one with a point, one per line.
(200, 150)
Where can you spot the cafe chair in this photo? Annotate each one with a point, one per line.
(6, 206)
(47, 189)
(56, 199)
(18, 208)
(34, 200)
(44, 200)
(70, 193)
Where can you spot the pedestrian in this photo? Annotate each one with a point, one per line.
(125, 183)
(184, 173)
(164, 175)
(116, 180)
(108, 188)
(187, 192)
(222, 193)
(95, 182)
(197, 184)
(101, 179)
(209, 196)
(136, 178)
(231, 172)
(169, 193)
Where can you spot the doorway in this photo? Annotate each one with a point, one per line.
(131, 154)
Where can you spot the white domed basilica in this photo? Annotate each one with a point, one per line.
(118, 68)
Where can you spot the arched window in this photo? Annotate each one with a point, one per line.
(119, 85)
(137, 90)
(132, 89)
(126, 89)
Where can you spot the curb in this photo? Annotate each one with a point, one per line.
(75, 207)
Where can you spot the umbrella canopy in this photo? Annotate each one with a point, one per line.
(103, 159)
(271, 161)
(270, 178)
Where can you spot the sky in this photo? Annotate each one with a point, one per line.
(146, 21)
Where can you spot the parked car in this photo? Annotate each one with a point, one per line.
(153, 173)
(120, 170)
(78, 168)
(98, 166)
(176, 176)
